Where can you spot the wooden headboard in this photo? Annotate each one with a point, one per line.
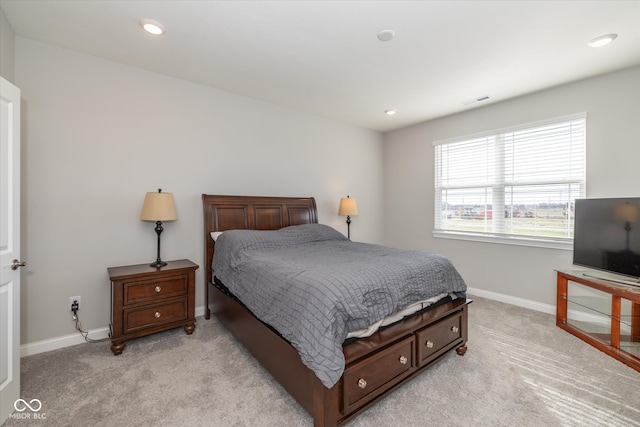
(251, 213)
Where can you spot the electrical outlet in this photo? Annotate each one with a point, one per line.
(74, 303)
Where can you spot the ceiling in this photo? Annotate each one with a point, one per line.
(324, 57)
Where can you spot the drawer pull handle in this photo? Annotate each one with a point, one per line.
(429, 344)
(454, 329)
(157, 315)
(403, 360)
(362, 383)
(158, 289)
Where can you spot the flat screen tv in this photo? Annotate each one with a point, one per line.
(607, 236)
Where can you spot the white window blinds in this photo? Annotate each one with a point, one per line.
(514, 182)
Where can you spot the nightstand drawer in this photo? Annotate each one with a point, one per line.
(160, 314)
(161, 288)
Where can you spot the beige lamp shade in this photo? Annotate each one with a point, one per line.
(348, 207)
(159, 206)
(627, 212)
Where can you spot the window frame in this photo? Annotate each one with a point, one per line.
(565, 243)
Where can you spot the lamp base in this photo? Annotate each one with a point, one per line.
(159, 263)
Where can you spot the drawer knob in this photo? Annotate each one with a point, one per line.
(157, 315)
(429, 344)
(403, 360)
(158, 289)
(362, 383)
(454, 329)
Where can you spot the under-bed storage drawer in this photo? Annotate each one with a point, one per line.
(363, 381)
(438, 338)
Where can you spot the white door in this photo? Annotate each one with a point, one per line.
(9, 248)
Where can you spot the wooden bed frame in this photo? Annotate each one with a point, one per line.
(375, 365)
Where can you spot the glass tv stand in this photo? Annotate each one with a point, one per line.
(605, 314)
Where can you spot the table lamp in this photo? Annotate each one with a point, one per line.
(158, 207)
(628, 214)
(348, 208)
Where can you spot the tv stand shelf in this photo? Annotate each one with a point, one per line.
(602, 313)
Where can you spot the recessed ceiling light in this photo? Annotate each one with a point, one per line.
(602, 40)
(390, 112)
(152, 27)
(386, 35)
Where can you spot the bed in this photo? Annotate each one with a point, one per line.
(373, 366)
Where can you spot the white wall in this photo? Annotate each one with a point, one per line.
(613, 170)
(97, 135)
(7, 39)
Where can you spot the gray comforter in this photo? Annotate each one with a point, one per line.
(313, 285)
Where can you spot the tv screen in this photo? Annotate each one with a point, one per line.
(607, 235)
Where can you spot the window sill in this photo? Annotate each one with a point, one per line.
(504, 240)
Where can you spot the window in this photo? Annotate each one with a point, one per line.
(516, 185)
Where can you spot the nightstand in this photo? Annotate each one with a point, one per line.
(146, 300)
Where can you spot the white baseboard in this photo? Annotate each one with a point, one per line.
(520, 302)
(30, 349)
(61, 342)
(581, 316)
(51, 344)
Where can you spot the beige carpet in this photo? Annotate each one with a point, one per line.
(520, 370)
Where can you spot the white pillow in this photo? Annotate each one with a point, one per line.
(215, 235)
